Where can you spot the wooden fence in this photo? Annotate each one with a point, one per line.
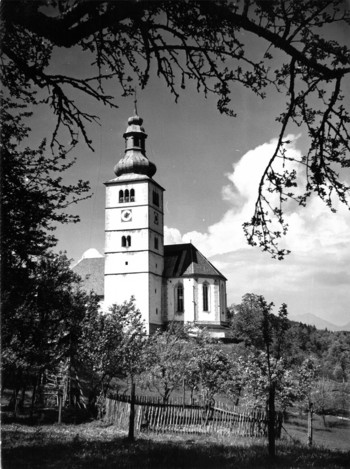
(154, 416)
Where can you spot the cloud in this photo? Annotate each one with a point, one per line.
(319, 241)
(241, 193)
(172, 236)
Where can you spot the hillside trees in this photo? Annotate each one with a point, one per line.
(43, 330)
(177, 360)
(338, 357)
(207, 43)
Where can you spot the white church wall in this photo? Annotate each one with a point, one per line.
(212, 315)
(139, 241)
(156, 222)
(189, 299)
(155, 311)
(137, 220)
(172, 314)
(223, 305)
(121, 287)
(193, 300)
(133, 262)
(141, 193)
(153, 188)
(125, 263)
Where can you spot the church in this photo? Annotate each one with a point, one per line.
(169, 282)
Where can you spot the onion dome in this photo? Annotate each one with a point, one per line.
(135, 160)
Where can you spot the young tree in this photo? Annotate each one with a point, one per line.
(112, 345)
(307, 374)
(204, 42)
(167, 355)
(214, 370)
(267, 372)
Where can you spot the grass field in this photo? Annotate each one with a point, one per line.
(95, 445)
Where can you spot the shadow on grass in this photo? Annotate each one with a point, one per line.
(38, 449)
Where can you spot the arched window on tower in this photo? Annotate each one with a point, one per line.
(205, 296)
(123, 241)
(128, 241)
(126, 195)
(179, 298)
(132, 195)
(121, 196)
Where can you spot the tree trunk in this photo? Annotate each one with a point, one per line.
(15, 410)
(22, 399)
(271, 421)
(33, 398)
(309, 424)
(131, 435)
(184, 392)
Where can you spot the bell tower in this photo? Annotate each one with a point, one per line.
(134, 239)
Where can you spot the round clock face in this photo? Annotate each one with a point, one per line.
(126, 215)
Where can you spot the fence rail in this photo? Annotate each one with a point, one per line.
(174, 417)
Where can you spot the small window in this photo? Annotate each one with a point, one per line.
(156, 243)
(126, 241)
(205, 297)
(179, 298)
(126, 196)
(132, 195)
(156, 198)
(121, 196)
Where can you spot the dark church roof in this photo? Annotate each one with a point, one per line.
(183, 260)
(180, 260)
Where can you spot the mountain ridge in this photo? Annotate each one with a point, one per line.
(319, 323)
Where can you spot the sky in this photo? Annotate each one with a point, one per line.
(210, 166)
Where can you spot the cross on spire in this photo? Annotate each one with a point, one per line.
(135, 102)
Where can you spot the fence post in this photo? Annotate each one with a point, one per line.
(131, 434)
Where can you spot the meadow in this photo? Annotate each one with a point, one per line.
(97, 445)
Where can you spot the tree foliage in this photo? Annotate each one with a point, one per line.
(167, 355)
(44, 329)
(111, 345)
(34, 199)
(205, 42)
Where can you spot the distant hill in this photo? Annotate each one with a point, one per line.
(319, 323)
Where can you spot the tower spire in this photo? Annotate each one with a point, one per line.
(135, 160)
